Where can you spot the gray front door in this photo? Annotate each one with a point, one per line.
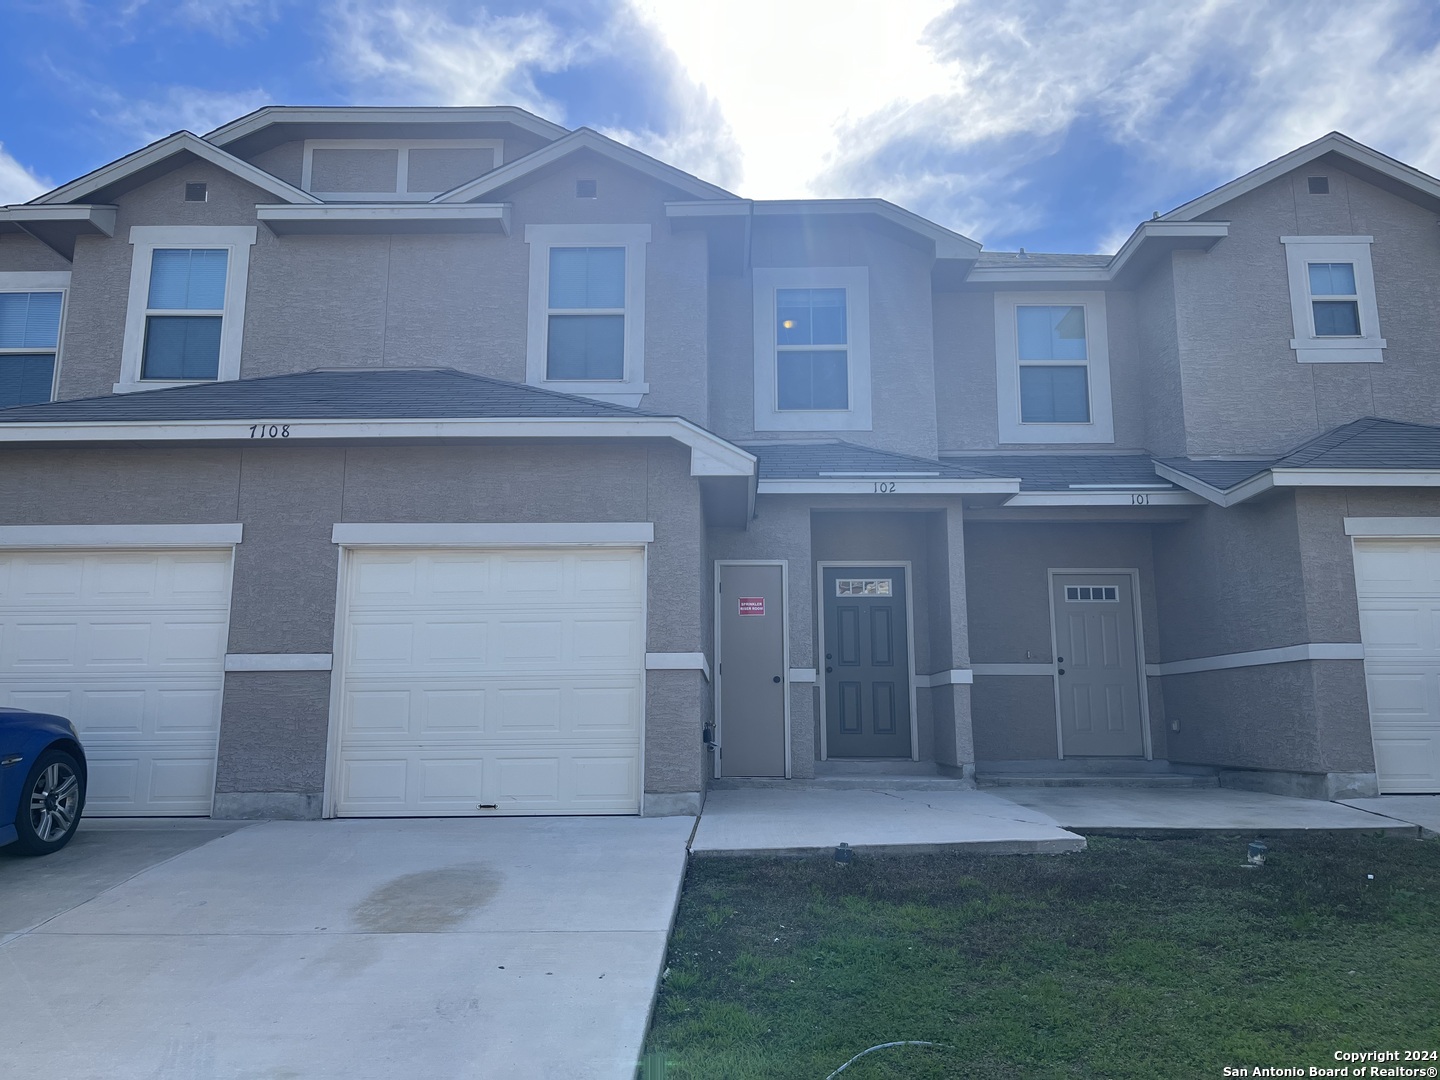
(1098, 670)
(751, 654)
(867, 662)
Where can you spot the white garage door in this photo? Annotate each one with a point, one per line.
(1398, 584)
(130, 645)
(485, 682)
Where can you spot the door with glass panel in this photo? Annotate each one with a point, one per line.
(1097, 665)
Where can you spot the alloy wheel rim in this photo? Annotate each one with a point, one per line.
(53, 801)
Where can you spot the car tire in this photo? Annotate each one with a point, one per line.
(50, 803)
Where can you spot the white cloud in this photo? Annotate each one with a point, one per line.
(17, 183)
(177, 107)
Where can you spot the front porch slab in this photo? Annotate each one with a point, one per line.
(1421, 810)
(771, 821)
(1160, 812)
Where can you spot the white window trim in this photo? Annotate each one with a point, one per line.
(121, 536)
(1300, 251)
(237, 239)
(402, 169)
(41, 281)
(855, 280)
(633, 238)
(494, 534)
(1101, 428)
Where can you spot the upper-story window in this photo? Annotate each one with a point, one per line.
(393, 170)
(31, 305)
(1052, 368)
(587, 310)
(1332, 300)
(812, 349)
(187, 305)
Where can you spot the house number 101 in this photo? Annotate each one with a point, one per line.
(1139, 500)
(885, 487)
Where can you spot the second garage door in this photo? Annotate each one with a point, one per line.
(1398, 585)
(491, 682)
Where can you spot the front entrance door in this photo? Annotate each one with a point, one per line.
(752, 672)
(1097, 666)
(867, 662)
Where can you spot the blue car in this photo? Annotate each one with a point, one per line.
(42, 781)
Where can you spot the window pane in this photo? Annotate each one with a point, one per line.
(1051, 333)
(586, 347)
(1332, 279)
(26, 380)
(184, 279)
(182, 347)
(810, 316)
(29, 320)
(812, 380)
(1054, 395)
(1337, 318)
(587, 277)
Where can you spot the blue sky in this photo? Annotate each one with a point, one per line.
(1052, 124)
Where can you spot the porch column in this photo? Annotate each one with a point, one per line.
(950, 644)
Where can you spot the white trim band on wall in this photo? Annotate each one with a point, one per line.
(1392, 526)
(278, 661)
(120, 536)
(802, 675)
(678, 661)
(1326, 650)
(953, 677)
(1012, 669)
(495, 534)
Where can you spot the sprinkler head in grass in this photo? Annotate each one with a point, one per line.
(842, 853)
(1255, 856)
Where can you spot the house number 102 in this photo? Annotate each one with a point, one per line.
(885, 487)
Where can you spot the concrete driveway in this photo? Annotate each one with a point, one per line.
(521, 947)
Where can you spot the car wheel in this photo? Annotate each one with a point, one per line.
(50, 804)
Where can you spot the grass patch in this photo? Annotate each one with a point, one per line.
(1135, 958)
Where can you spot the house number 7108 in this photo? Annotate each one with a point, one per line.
(269, 431)
(885, 487)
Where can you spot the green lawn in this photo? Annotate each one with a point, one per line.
(1137, 958)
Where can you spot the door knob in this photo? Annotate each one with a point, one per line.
(775, 679)
(1059, 659)
(828, 656)
(828, 670)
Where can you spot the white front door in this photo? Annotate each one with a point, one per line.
(1397, 583)
(492, 682)
(130, 645)
(1097, 667)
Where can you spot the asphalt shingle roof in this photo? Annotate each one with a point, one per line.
(813, 460)
(1057, 472)
(1039, 259)
(391, 393)
(1222, 475)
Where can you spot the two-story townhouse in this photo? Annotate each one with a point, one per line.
(444, 461)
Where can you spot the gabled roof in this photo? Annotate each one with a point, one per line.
(250, 125)
(1364, 453)
(1389, 173)
(147, 161)
(383, 393)
(581, 139)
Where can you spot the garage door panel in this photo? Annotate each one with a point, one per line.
(129, 645)
(1398, 588)
(497, 670)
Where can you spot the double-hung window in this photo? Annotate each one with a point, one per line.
(812, 348)
(587, 310)
(1052, 368)
(1332, 300)
(30, 308)
(187, 305)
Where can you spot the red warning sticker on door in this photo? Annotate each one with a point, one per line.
(752, 605)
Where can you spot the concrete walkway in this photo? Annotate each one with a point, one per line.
(774, 821)
(512, 947)
(1421, 810)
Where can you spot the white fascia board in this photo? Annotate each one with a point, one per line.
(168, 147)
(99, 217)
(1392, 526)
(581, 139)
(279, 661)
(121, 536)
(381, 114)
(1356, 478)
(1106, 498)
(1288, 654)
(1248, 490)
(892, 486)
(1053, 275)
(710, 208)
(1207, 233)
(1326, 144)
(948, 244)
(710, 454)
(384, 213)
(494, 534)
(678, 661)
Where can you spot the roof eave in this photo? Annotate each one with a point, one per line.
(271, 115)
